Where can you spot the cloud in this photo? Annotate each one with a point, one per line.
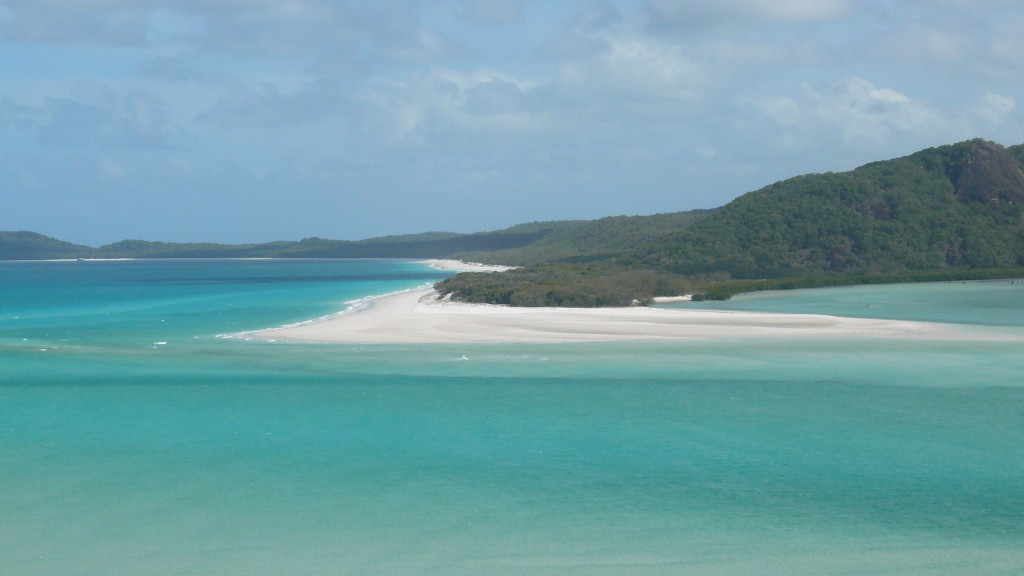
(1004, 59)
(783, 111)
(993, 108)
(418, 45)
(493, 12)
(448, 106)
(285, 28)
(306, 29)
(536, 99)
(586, 33)
(266, 105)
(178, 69)
(15, 115)
(495, 96)
(863, 113)
(633, 68)
(95, 114)
(698, 14)
(855, 112)
(111, 22)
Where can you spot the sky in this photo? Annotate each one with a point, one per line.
(256, 120)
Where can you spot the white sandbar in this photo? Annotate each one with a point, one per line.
(460, 266)
(418, 316)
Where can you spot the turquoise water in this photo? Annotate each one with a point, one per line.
(134, 441)
(994, 302)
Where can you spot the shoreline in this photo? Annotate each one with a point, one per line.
(417, 316)
(460, 266)
(439, 264)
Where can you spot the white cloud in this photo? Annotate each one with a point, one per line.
(634, 68)
(993, 108)
(856, 112)
(696, 14)
(303, 29)
(448, 106)
(413, 97)
(796, 10)
(1004, 56)
(495, 95)
(784, 111)
(862, 113)
(399, 112)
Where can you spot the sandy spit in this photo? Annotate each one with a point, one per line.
(418, 316)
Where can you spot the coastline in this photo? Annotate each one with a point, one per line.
(460, 266)
(418, 317)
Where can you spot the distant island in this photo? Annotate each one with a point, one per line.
(950, 212)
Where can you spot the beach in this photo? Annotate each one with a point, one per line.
(460, 266)
(419, 316)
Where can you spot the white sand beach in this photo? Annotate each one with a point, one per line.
(419, 317)
(460, 266)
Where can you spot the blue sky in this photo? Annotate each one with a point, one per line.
(257, 120)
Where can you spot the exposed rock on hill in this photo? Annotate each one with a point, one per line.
(985, 172)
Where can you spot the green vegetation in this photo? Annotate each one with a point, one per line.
(573, 285)
(943, 208)
(948, 213)
(531, 243)
(728, 289)
(588, 240)
(429, 245)
(32, 246)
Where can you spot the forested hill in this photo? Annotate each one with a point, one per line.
(956, 208)
(523, 244)
(952, 212)
(32, 246)
(953, 207)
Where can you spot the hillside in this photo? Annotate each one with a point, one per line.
(951, 207)
(32, 246)
(530, 243)
(591, 240)
(952, 212)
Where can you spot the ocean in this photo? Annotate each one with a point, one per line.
(134, 440)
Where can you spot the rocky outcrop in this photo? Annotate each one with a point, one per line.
(984, 171)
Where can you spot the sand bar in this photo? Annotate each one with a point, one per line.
(460, 266)
(417, 316)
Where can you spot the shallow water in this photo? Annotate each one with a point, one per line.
(991, 302)
(133, 441)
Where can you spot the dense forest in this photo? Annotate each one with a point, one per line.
(589, 285)
(953, 212)
(956, 206)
